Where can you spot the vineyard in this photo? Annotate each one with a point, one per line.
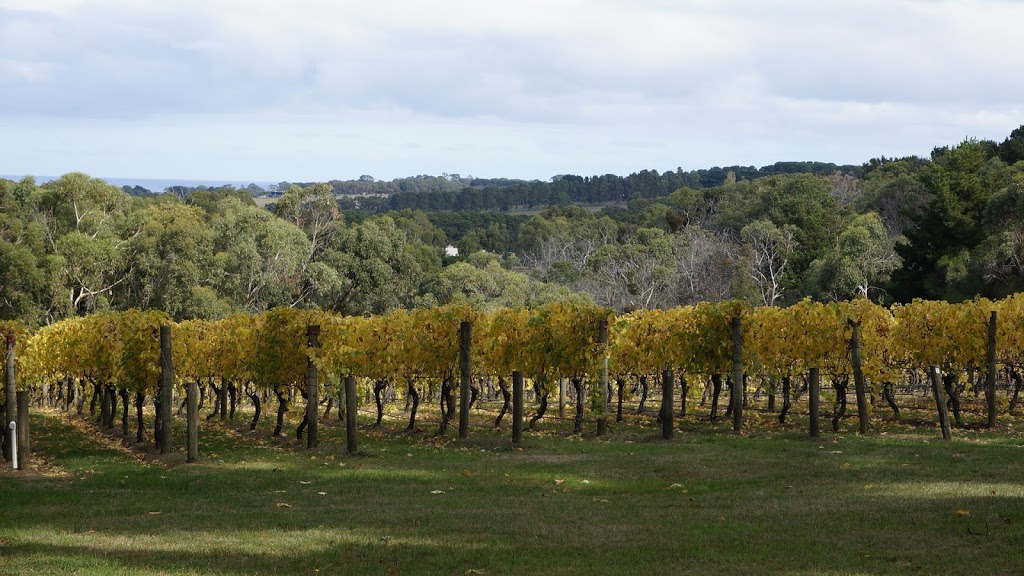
(112, 362)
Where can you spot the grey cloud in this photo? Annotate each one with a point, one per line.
(703, 81)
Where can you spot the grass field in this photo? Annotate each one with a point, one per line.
(899, 501)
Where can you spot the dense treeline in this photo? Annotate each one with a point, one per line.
(948, 227)
(78, 245)
(452, 192)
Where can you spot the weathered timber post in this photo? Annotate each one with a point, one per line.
(166, 389)
(561, 397)
(667, 392)
(602, 340)
(517, 407)
(990, 376)
(351, 414)
(192, 421)
(940, 402)
(312, 390)
(737, 373)
(10, 402)
(465, 371)
(814, 398)
(858, 377)
(22, 439)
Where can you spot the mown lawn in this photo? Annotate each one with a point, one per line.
(899, 501)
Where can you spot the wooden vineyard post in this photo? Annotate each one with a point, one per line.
(858, 377)
(192, 421)
(166, 389)
(561, 397)
(737, 373)
(940, 402)
(667, 392)
(990, 376)
(312, 391)
(351, 414)
(602, 340)
(517, 407)
(22, 439)
(465, 371)
(10, 402)
(814, 398)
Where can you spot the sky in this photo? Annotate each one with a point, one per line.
(311, 90)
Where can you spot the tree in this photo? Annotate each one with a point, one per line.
(365, 269)
(170, 256)
(79, 203)
(999, 258)
(633, 275)
(484, 282)
(802, 201)
(262, 257)
(1011, 150)
(959, 183)
(314, 210)
(418, 228)
(894, 192)
(705, 264)
(560, 242)
(771, 249)
(694, 206)
(80, 215)
(27, 273)
(863, 259)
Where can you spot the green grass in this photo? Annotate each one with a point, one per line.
(707, 502)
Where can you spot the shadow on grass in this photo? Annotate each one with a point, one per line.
(707, 502)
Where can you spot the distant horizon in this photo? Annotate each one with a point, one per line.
(149, 183)
(263, 183)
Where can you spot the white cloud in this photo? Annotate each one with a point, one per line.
(528, 88)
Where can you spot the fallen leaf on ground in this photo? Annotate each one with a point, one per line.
(962, 512)
(283, 505)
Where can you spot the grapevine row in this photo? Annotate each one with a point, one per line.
(116, 355)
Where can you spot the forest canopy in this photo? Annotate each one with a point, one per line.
(950, 226)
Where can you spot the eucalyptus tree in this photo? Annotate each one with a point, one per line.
(80, 216)
(860, 264)
(366, 268)
(261, 257)
(27, 273)
(560, 243)
(705, 265)
(170, 255)
(635, 274)
(772, 248)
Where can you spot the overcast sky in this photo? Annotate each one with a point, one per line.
(302, 90)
